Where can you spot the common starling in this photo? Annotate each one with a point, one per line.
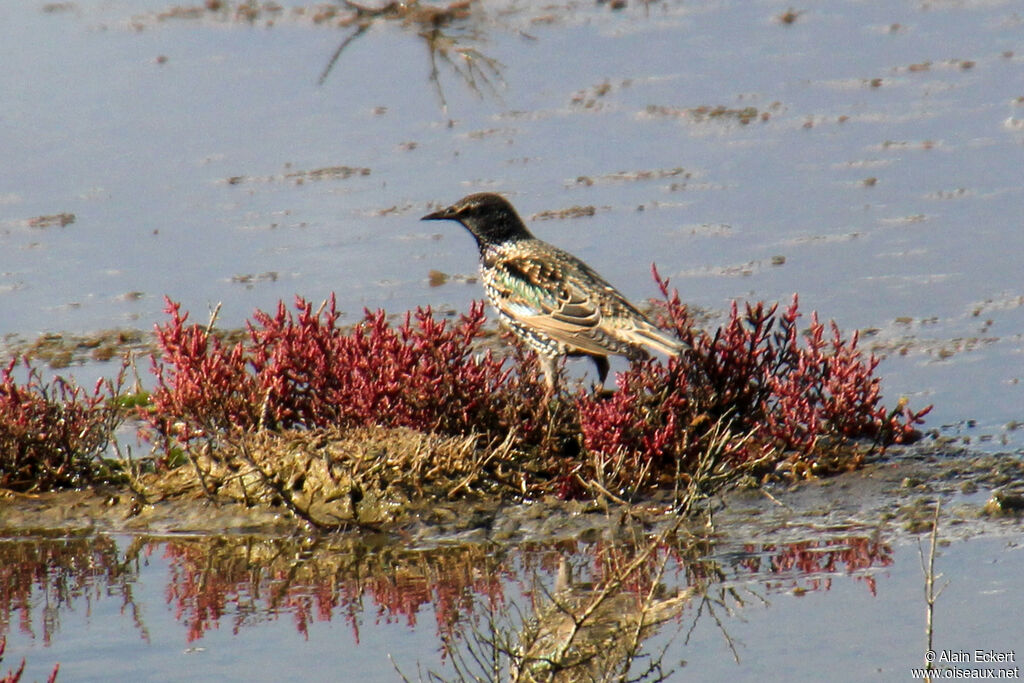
(552, 300)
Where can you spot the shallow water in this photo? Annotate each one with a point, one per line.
(122, 608)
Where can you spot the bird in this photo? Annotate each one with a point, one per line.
(584, 631)
(553, 301)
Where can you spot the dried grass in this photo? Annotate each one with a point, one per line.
(366, 476)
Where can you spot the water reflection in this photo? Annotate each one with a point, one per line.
(542, 612)
(810, 564)
(252, 580)
(451, 32)
(448, 32)
(61, 574)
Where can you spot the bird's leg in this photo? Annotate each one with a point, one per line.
(549, 364)
(601, 362)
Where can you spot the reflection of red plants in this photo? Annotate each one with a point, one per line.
(59, 574)
(612, 562)
(251, 580)
(51, 433)
(15, 676)
(56, 573)
(812, 558)
(200, 597)
(207, 583)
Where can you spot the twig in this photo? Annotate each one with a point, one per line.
(213, 318)
(593, 485)
(264, 410)
(131, 470)
(612, 587)
(775, 500)
(193, 458)
(482, 461)
(362, 28)
(930, 594)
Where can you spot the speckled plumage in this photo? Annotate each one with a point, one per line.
(552, 300)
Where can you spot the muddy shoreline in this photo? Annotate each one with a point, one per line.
(894, 495)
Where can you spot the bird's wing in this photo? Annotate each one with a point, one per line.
(626, 323)
(559, 297)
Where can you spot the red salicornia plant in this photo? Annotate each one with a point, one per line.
(302, 370)
(756, 392)
(52, 433)
(755, 386)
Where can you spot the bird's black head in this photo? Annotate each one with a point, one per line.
(490, 217)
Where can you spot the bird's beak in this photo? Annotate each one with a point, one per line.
(442, 215)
